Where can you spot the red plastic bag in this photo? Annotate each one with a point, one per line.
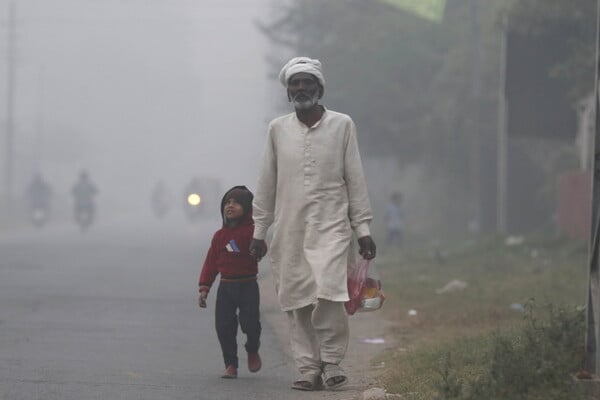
(364, 287)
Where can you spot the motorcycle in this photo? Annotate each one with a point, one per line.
(84, 216)
(39, 216)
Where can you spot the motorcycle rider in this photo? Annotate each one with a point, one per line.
(39, 193)
(160, 199)
(84, 191)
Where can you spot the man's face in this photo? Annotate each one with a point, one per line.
(303, 90)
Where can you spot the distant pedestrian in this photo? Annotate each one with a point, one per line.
(229, 256)
(394, 219)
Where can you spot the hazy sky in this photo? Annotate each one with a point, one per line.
(136, 90)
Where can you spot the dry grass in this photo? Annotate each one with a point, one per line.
(462, 323)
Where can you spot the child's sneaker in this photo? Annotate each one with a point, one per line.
(230, 372)
(254, 362)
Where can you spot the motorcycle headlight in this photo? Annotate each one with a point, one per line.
(194, 199)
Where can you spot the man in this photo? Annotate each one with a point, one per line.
(312, 189)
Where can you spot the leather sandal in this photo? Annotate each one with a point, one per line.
(308, 382)
(334, 376)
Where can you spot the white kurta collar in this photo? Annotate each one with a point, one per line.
(316, 125)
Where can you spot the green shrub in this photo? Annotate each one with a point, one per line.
(535, 362)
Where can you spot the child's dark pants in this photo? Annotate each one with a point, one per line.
(232, 296)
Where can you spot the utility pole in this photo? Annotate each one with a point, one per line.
(502, 139)
(38, 148)
(475, 121)
(10, 108)
(592, 340)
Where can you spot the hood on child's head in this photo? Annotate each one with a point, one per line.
(243, 196)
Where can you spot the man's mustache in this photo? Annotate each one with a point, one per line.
(302, 96)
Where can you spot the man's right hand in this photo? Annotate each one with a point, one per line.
(366, 247)
(257, 249)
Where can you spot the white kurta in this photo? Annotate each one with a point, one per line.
(312, 189)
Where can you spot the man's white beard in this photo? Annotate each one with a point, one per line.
(306, 104)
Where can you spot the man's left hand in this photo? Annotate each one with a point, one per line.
(257, 249)
(366, 247)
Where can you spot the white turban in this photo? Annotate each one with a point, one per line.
(301, 64)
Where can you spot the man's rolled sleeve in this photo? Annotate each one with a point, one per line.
(362, 230)
(260, 232)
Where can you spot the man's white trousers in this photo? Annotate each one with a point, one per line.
(319, 334)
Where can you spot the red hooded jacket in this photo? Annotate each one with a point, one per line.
(229, 252)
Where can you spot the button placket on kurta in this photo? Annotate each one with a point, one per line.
(306, 159)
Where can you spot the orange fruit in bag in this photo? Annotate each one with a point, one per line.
(369, 292)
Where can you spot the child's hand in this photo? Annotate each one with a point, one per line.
(202, 299)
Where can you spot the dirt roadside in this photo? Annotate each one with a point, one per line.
(367, 339)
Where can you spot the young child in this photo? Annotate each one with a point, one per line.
(394, 219)
(229, 256)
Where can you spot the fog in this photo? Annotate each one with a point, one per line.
(137, 91)
(134, 91)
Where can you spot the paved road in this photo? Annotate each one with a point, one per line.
(112, 314)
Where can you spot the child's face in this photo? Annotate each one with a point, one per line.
(233, 209)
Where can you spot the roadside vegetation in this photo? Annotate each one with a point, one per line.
(485, 320)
